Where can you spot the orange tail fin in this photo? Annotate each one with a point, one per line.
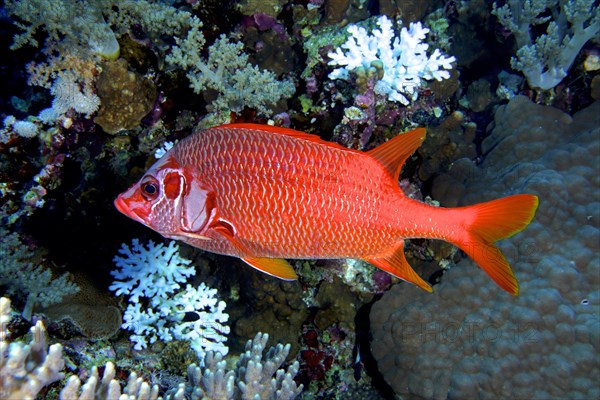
(489, 222)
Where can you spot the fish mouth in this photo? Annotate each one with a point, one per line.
(121, 205)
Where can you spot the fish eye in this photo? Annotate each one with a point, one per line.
(149, 188)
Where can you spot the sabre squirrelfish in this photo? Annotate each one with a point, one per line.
(264, 194)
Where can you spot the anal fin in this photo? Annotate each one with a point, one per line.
(394, 262)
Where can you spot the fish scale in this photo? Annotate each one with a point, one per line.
(265, 193)
(249, 170)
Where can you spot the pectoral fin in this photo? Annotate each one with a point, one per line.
(277, 267)
(394, 262)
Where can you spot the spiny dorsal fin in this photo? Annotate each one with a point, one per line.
(393, 153)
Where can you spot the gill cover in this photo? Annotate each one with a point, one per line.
(195, 204)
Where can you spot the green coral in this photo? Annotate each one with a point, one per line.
(76, 27)
(329, 35)
(23, 278)
(61, 19)
(226, 71)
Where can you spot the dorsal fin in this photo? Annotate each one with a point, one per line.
(283, 131)
(393, 153)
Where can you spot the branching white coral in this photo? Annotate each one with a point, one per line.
(153, 275)
(256, 376)
(26, 368)
(154, 270)
(404, 60)
(545, 60)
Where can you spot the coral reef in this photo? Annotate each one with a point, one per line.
(26, 368)
(151, 275)
(545, 60)
(32, 283)
(404, 60)
(95, 90)
(226, 71)
(126, 97)
(467, 340)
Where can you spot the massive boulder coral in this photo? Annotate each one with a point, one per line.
(470, 340)
(126, 97)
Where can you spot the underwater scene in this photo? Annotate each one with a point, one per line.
(299, 199)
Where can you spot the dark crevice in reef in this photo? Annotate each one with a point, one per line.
(363, 345)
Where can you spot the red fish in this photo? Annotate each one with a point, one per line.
(264, 194)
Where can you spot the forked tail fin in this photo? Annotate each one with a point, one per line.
(489, 222)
